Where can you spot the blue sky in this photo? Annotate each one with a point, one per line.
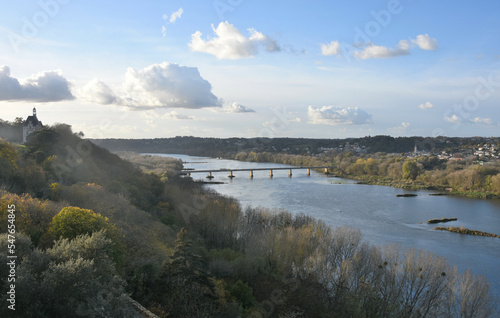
(226, 68)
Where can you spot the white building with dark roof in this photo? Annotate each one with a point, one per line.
(30, 125)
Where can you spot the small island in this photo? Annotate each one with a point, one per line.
(462, 230)
(441, 220)
(405, 195)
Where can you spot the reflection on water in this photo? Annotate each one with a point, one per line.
(375, 210)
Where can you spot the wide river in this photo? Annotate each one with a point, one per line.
(382, 217)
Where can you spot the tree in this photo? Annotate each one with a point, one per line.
(185, 287)
(495, 184)
(73, 221)
(19, 121)
(187, 264)
(75, 278)
(8, 158)
(473, 297)
(410, 170)
(243, 293)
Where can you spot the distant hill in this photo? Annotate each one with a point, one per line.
(218, 147)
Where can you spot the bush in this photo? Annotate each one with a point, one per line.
(72, 222)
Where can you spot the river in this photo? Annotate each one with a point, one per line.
(382, 217)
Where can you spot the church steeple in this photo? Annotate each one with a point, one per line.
(34, 111)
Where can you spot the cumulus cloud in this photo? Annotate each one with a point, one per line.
(335, 115)
(452, 119)
(43, 87)
(483, 121)
(425, 42)
(98, 92)
(426, 105)
(230, 43)
(372, 51)
(332, 48)
(237, 108)
(164, 85)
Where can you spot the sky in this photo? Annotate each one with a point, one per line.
(241, 68)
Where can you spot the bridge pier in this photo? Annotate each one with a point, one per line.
(289, 172)
(326, 171)
(308, 172)
(210, 175)
(188, 174)
(251, 174)
(230, 175)
(270, 173)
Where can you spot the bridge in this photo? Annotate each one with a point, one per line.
(251, 170)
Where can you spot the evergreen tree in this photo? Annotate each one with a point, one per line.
(185, 285)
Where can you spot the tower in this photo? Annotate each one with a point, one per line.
(30, 125)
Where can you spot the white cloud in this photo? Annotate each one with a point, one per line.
(164, 85)
(237, 108)
(483, 121)
(330, 49)
(370, 50)
(176, 15)
(176, 116)
(400, 129)
(426, 105)
(452, 119)
(378, 52)
(98, 92)
(334, 115)
(43, 87)
(230, 43)
(154, 117)
(425, 42)
(171, 19)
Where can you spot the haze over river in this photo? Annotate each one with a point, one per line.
(382, 217)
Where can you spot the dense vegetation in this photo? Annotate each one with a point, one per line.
(228, 147)
(464, 177)
(94, 232)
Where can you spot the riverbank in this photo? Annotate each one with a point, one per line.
(416, 186)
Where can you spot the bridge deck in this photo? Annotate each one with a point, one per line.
(251, 169)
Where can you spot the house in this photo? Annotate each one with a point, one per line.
(30, 125)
